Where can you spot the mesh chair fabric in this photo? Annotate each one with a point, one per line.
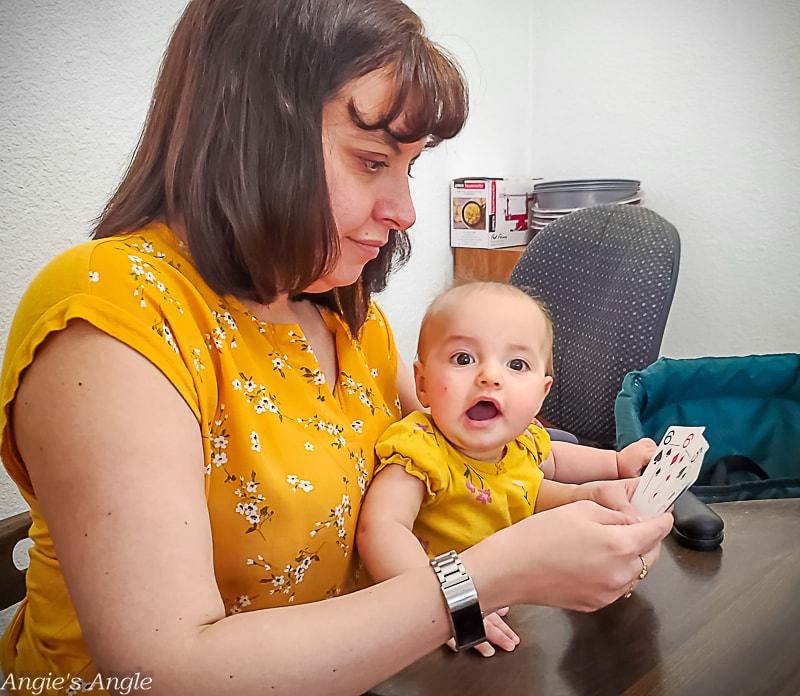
(607, 276)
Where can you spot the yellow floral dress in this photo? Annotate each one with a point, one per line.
(288, 457)
(467, 500)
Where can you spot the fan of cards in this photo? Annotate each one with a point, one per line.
(674, 467)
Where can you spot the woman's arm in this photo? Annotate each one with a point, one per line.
(116, 460)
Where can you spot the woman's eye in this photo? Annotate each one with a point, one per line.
(375, 165)
(462, 359)
(518, 365)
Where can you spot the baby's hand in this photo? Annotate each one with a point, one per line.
(633, 458)
(497, 632)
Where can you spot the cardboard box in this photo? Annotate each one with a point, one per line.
(488, 213)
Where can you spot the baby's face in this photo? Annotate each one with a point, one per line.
(482, 372)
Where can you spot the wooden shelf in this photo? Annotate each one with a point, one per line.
(484, 264)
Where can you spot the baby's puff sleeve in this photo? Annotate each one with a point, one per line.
(537, 441)
(414, 443)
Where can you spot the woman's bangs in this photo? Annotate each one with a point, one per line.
(430, 98)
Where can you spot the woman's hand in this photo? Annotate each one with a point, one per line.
(579, 556)
(614, 495)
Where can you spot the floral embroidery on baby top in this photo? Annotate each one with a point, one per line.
(466, 499)
(289, 451)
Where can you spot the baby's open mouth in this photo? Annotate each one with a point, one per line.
(483, 410)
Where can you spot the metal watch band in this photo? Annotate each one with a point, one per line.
(461, 597)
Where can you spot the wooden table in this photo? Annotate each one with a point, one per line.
(724, 622)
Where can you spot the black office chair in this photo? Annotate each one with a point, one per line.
(607, 276)
(12, 579)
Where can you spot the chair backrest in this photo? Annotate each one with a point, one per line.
(607, 276)
(12, 579)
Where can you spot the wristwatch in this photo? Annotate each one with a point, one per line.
(466, 617)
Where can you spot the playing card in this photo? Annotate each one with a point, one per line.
(674, 467)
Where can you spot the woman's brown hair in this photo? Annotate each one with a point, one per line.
(232, 147)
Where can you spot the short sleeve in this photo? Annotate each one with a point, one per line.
(537, 441)
(413, 443)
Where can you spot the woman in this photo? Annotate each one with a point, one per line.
(191, 400)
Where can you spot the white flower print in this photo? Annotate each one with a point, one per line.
(337, 519)
(255, 443)
(94, 277)
(357, 426)
(296, 482)
(198, 363)
(361, 471)
(252, 507)
(260, 561)
(308, 446)
(240, 603)
(144, 273)
(325, 427)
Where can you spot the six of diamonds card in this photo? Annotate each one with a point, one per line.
(674, 467)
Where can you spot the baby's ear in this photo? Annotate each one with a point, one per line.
(419, 381)
(548, 382)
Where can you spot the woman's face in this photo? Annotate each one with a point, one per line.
(367, 175)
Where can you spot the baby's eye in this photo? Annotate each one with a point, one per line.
(462, 359)
(518, 365)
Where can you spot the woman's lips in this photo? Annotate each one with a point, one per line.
(369, 248)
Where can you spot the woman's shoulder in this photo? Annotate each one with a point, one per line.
(138, 288)
(146, 257)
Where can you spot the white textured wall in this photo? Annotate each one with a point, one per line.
(699, 100)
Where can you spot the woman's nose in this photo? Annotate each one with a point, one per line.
(397, 208)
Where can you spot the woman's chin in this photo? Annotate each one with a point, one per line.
(337, 279)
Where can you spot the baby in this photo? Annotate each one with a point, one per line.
(479, 461)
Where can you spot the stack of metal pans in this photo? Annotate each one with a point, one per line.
(553, 199)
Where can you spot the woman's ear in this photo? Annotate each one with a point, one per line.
(419, 381)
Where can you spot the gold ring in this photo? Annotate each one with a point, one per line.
(643, 574)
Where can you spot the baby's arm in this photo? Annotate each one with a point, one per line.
(384, 537)
(571, 463)
(614, 494)
(388, 546)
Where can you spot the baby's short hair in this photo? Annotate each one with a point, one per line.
(469, 287)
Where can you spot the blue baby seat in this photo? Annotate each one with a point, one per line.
(750, 406)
